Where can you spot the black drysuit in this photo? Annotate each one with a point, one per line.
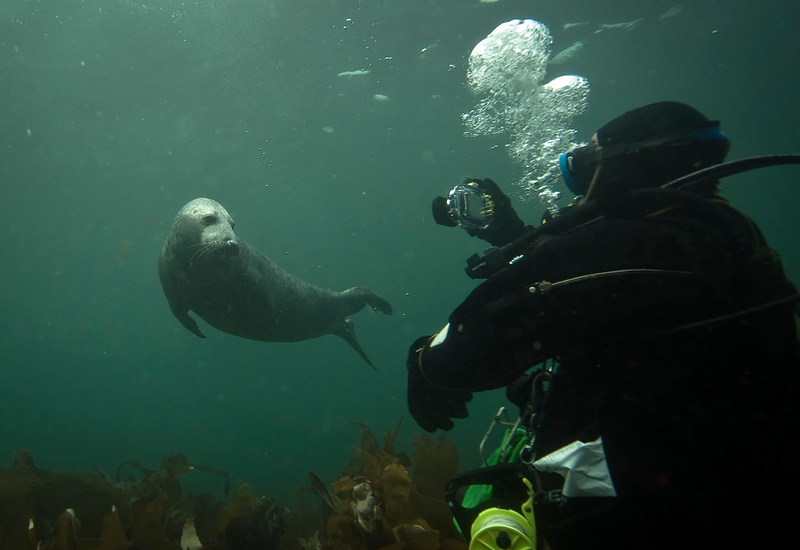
(674, 331)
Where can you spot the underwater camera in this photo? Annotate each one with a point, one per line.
(466, 205)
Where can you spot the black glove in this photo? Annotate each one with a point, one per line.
(432, 407)
(506, 225)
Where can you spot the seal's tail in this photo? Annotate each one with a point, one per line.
(356, 298)
(348, 333)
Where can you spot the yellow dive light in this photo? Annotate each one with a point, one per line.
(499, 528)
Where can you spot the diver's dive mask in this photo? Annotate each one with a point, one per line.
(466, 205)
(654, 160)
(579, 165)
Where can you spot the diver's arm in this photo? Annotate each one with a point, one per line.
(506, 224)
(600, 288)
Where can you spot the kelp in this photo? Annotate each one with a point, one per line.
(396, 492)
(371, 457)
(434, 464)
(386, 501)
(383, 500)
(30, 493)
(166, 475)
(68, 511)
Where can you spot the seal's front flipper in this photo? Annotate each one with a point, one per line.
(346, 330)
(188, 322)
(359, 296)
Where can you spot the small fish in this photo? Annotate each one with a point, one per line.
(672, 12)
(625, 26)
(567, 53)
(568, 26)
(359, 72)
(429, 46)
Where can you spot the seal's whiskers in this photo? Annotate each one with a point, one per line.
(205, 249)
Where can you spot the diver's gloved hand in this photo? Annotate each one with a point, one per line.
(506, 225)
(432, 407)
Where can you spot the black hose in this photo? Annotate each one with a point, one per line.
(482, 267)
(731, 168)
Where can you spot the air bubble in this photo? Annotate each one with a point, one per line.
(507, 68)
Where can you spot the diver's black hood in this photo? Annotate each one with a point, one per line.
(657, 120)
(657, 143)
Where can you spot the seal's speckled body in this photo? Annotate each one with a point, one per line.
(204, 267)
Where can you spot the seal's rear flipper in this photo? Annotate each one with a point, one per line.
(360, 296)
(346, 331)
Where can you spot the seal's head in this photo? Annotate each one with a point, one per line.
(201, 227)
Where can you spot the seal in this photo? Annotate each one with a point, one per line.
(204, 267)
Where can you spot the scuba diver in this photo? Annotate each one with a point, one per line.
(647, 334)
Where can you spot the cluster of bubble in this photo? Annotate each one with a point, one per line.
(508, 67)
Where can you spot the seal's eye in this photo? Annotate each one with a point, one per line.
(210, 219)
